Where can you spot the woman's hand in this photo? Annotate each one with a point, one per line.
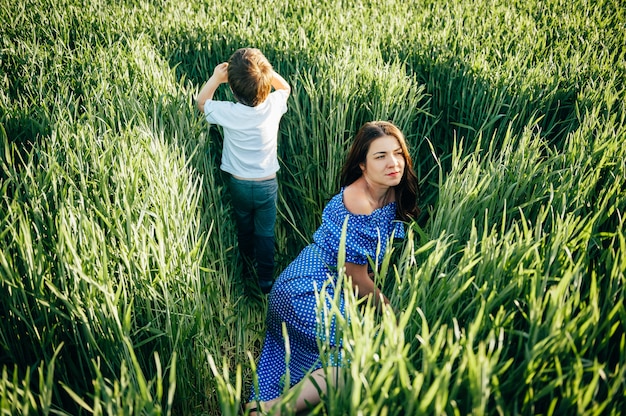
(364, 285)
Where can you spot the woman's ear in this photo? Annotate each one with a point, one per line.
(362, 166)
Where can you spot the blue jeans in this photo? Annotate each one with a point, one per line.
(254, 205)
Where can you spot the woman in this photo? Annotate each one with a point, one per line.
(378, 187)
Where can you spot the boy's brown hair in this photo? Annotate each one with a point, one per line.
(250, 76)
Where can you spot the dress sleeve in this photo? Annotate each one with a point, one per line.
(398, 229)
(363, 238)
(368, 235)
(365, 234)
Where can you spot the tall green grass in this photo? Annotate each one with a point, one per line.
(120, 290)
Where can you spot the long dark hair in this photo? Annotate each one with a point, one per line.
(407, 190)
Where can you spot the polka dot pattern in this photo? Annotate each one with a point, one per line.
(293, 297)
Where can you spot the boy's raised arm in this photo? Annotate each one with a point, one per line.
(279, 83)
(220, 76)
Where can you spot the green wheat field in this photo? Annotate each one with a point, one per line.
(120, 290)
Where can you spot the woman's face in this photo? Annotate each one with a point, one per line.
(384, 163)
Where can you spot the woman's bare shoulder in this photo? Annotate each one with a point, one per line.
(355, 199)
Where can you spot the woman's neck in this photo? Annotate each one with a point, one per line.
(378, 196)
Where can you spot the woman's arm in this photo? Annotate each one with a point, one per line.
(364, 285)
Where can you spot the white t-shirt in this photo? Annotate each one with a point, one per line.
(250, 134)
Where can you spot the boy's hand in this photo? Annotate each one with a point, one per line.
(220, 73)
(220, 76)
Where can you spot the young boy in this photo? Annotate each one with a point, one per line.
(250, 129)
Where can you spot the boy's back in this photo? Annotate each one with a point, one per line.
(250, 134)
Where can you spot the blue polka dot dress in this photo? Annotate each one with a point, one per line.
(293, 296)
